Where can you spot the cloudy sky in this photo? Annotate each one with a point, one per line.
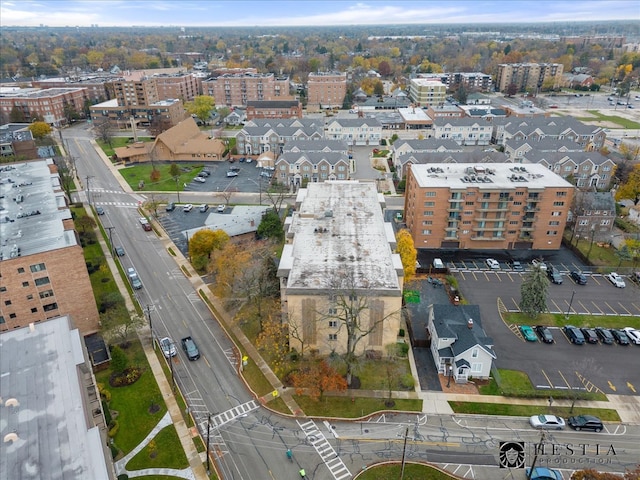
(305, 12)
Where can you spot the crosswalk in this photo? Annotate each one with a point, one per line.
(329, 456)
(230, 415)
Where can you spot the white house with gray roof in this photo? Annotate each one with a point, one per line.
(459, 345)
(463, 131)
(588, 169)
(339, 250)
(313, 161)
(354, 131)
(270, 135)
(589, 137)
(401, 148)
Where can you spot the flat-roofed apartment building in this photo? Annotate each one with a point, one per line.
(326, 90)
(528, 75)
(42, 263)
(339, 260)
(235, 90)
(484, 207)
(169, 112)
(48, 104)
(426, 92)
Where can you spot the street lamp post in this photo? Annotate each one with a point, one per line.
(570, 302)
(151, 326)
(208, 433)
(593, 232)
(110, 237)
(173, 378)
(177, 179)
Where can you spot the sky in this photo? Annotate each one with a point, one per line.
(185, 13)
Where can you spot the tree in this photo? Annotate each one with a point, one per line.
(512, 89)
(623, 254)
(270, 226)
(70, 112)
(631, 188)
(119, 325)
(104, 132)
(17, 115)
(204, 242)
(461, 95)
(201, 107)
(226, 266)
(39, 130)
(408, 254)
(174, 170)
(272, 341)
(67, 174)
(119, 360)
(592, 474)
(378, 88)
(85, 223)
(533, 292)
(318, 378)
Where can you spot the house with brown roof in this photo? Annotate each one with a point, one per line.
(184, 142)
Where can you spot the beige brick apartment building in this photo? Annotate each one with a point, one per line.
(48, 104)
(43, 271)
(326, 90)
(528, 76)
(497, 206)
(236, 89)
(339, 252)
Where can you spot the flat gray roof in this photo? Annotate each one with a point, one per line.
(32, 210)
(45, 434)
(339, 228)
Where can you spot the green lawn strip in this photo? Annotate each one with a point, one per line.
(166, 455)
(133, 401)
(412, 471)
(165, 183)
(481, 408)
(559, 320)
(605, 258)
(346, 407)
(623, 122)
(278, 405)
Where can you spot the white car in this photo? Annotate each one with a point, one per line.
(616, 279)
(220, 208)
(187, 208)
(492, 264)
(547, 421)
(249, 160)
(539, 264)
(633, 334)
(200, 179)
(231, 173)
(168, 347)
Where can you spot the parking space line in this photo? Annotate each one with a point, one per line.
(637, 307)
(585, 310)
(499, 277)
(624, 308)
(597, 308)
(613, 310)
(515, 303)
(565, 380)
(558, 307)
(547, 377)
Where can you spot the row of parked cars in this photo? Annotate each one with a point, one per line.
(580, 336)
(578, 422)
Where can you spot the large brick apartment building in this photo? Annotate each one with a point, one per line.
(326, 90)
(486, 207)
(236, 89)
(42, 268)
(47, 104)
(529, 76)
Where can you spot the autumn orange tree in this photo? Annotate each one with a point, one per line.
(226, 266)
(203, 243)
(408, 254)
(272, 341)
(318, 378)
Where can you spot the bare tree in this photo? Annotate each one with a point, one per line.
(104, 131)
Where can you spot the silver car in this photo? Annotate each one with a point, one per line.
(168, 347)
(547, 421)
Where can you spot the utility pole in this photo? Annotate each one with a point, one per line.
(208, 433)
(110, 237)
(535, 457)
(404, 452)
(151, 327)
(88, 177)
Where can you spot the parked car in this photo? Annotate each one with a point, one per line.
(234, 169)
(636, 277)
(579, 277)
(146, 226)
(171, 206)
(574, 334)
(620, 336)
(265, 174)
(187, 208)
(190, 348)
(231, 173)
(545, 334)
(168, 347)
(249, 160)
(204, 173)
(517, 266)
(604, 335)
(99, 210)
(221, 208)
(203, 208)
(542, 473)
(136, 284)
(528, 333)
(554, 275)
(547, 421)
(590, 335)
(200, 179)
(633, 334)
(616, 279)
(539, 264)
(119, 251)
(492, 264)
(585, 422)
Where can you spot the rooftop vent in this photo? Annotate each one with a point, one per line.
(328, 213)
(470, 323)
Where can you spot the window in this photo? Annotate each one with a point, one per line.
(25, 284)
(20, 270)
(7, 302)
(513, 222)
(558, 204)
(46, 294)
(428, 213)
(554, 223)
(50, 306)
(333, 336)
(34, 310)
(38, 267)
(333, 323)
(517, 203)
(561, 194)
(474, 353)
(556, 214)
(469, 204)
(3, 289)
(426, 232)
(519, 194)
(584, 222)
(486, 195)
(552, 233)
(476, 367)
(12, 315)
(605, 222)
(430, 194)
(42, 281)
(427, 222)
(465, 232)
(1, 319)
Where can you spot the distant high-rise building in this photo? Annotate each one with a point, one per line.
(527, 76)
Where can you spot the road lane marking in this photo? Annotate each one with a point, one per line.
(611, 385)
(631, 387)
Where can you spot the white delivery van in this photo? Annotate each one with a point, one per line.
(438, 263)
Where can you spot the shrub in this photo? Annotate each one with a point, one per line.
(107, 413)
(104, 393)
(119, 360)
(402, 349)
(401, 333)
(407, 381)
(113, 429)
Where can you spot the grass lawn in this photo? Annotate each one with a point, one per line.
(558, 320)
(165, 183)
(480, 408)
(133, 401)
(412, 471)
(344, 407)
(623, 122)
(117, 142)
(601, 256)
(166, 455)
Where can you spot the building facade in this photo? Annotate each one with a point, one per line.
(427, 92)
(472, 81)
(339, 265)
(50, 104)
(313, 161)
(326, 90)
(463, 131)
(273, 109)
(498, 206)
(236, 89)
(44, 274)
(528, 76)
(354, 131)
(270, 135)
(166, 112)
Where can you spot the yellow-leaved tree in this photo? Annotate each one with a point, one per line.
(408, 254)
(203, 243)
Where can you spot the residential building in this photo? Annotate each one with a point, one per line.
(528, 76)
(44, 274)
(339, 253)
(236, 89)
(518, 148)
(605, 41)
(183, 86)
(584, 169)
(270, 135)
(50, 104)
(354, 131)
(165, 112)
(403, 161)
(393, 102)
(496, 207)
(427, 92)
(134, 91)
(460, 347)
(577, 80)
(445, 110)
(274, 109)
(94, 85)
(16, 140)
(401, 150)
(594, 215)
(472, 81)
(326, 90)
(463, 131)
(52, 420)
(306, 161)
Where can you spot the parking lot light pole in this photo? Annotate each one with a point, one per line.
(593, 233)
(208, 433)
(570, 302)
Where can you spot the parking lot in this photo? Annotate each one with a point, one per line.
(249, 178)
